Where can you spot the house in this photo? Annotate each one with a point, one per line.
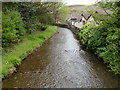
(75, 20)
(79, 20)
(86, 17)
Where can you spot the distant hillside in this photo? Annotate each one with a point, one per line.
(78, 9)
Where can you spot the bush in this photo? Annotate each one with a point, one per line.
(43, 28)
(104, 42)
(12, 27)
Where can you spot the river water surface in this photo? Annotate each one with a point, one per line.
(62, 63)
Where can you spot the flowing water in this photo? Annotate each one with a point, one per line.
(62, 62)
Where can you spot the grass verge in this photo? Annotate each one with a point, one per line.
(14, 57)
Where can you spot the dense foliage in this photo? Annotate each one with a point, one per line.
(105, 42)
(13, 27)
(104, 39)
(22, 18)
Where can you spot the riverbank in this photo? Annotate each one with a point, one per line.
(62, 62)
(13, 58)
(104, 42)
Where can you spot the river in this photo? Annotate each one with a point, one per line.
(62, 62)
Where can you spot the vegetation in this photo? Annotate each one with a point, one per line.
(19, 52)
(104, 39)
(25, 26)
(13, 28)
(21, 18)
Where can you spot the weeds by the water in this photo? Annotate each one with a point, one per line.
(15, 56)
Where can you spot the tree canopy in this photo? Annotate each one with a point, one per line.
(26, 17)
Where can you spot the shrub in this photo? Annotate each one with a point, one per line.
(43, 27)
(12, 27)
(104, 41)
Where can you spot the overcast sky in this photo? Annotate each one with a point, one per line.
(80, 2)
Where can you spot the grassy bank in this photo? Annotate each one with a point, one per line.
(14, 57)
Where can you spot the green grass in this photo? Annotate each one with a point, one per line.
(20, 51)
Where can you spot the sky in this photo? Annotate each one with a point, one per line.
(80, 2)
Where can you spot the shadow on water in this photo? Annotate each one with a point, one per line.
(62, 63)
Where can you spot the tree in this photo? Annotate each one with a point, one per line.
(115, 8)
(61, 14)
(21, 18)
(111, 33)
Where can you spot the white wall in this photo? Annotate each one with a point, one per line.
(83, 19)
(91, 19)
